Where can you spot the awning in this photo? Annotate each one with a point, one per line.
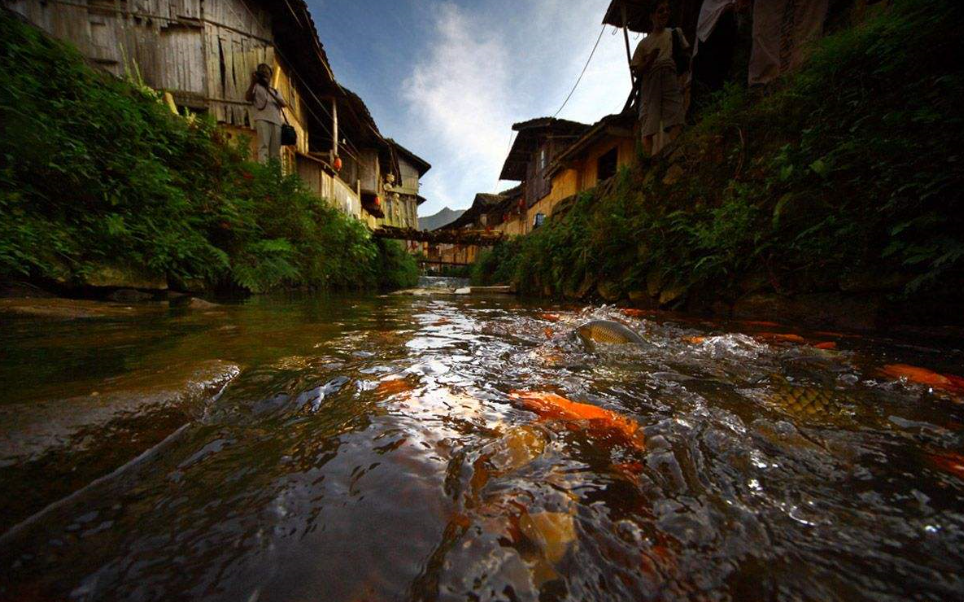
(685, 14)
(637, 15)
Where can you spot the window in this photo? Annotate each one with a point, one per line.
(538, 220)
(606, 165)
(542, 159)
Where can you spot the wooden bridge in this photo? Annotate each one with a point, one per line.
(442, 263)
(480, 238)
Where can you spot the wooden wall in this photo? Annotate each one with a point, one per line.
(409, 183)
(331, 188)
(230, 59)
(369, 171)
(583, 174)
(402, 213)
(589, 165)
(158, 40)
(204, 52)
(201, 52)
(564, 185)
(538, 184)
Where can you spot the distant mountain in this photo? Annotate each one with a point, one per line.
(445, 216)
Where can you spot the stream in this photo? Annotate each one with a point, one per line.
(378, 448)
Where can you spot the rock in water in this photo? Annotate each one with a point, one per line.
(129, 295)
(201, 304)
(607, 331)
(517, 448)
(553, 531)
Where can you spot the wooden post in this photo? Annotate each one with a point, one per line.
(629, 54)
(334, 128)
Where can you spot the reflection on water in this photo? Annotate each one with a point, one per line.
(442, 282)
(373, 449)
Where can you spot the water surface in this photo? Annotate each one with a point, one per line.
(368, 448)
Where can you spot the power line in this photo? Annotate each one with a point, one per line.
(596, 45)
(305, 85)
(498, 178)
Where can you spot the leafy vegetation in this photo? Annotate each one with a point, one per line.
(845, 176)
(454, 271)
(97, 172)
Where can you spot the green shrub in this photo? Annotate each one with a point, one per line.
(397, 267)
(849, 167)
(96, 171)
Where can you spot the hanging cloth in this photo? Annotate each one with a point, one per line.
(782, 29)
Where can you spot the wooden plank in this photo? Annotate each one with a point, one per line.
(334, 128)
(629, 54)
(459, 237)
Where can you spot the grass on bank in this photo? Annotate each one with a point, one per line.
(97, 172)
(846, 177)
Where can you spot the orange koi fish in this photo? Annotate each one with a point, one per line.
(760, 323)
(548, 332)
(949, 462)
(637, 313)
(778, 336)
(387, 388)
(837, 335)
(550, 317)
(629, 471)
(826, 345)
(694, 340)
(923, 376)
(552, 406)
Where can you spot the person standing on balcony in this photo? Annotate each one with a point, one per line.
(661, 106)
(267, 104)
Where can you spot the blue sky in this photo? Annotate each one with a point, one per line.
(447, 78)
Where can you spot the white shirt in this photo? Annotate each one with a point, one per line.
(662, 42)
(267, 105)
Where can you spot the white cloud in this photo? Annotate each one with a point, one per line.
(606, 84)
(490, 66)
(460, 97)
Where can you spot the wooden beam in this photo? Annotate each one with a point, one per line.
(334, 128)
(629, 54)
(440, 262)
(480, 238)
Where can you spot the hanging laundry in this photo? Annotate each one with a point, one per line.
(782, 30)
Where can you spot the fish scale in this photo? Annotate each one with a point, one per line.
(809, 401)
(609, 332)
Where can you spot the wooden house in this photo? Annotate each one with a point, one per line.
(596, 156)
(539, 142)
(511, 212)
(482, 215)
(203, 53)
(557, 162)
(402, 197)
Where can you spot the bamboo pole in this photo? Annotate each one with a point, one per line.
(334, 128)
(629, 54)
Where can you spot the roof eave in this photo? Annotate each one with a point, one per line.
(420, 164)
(637, 17)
